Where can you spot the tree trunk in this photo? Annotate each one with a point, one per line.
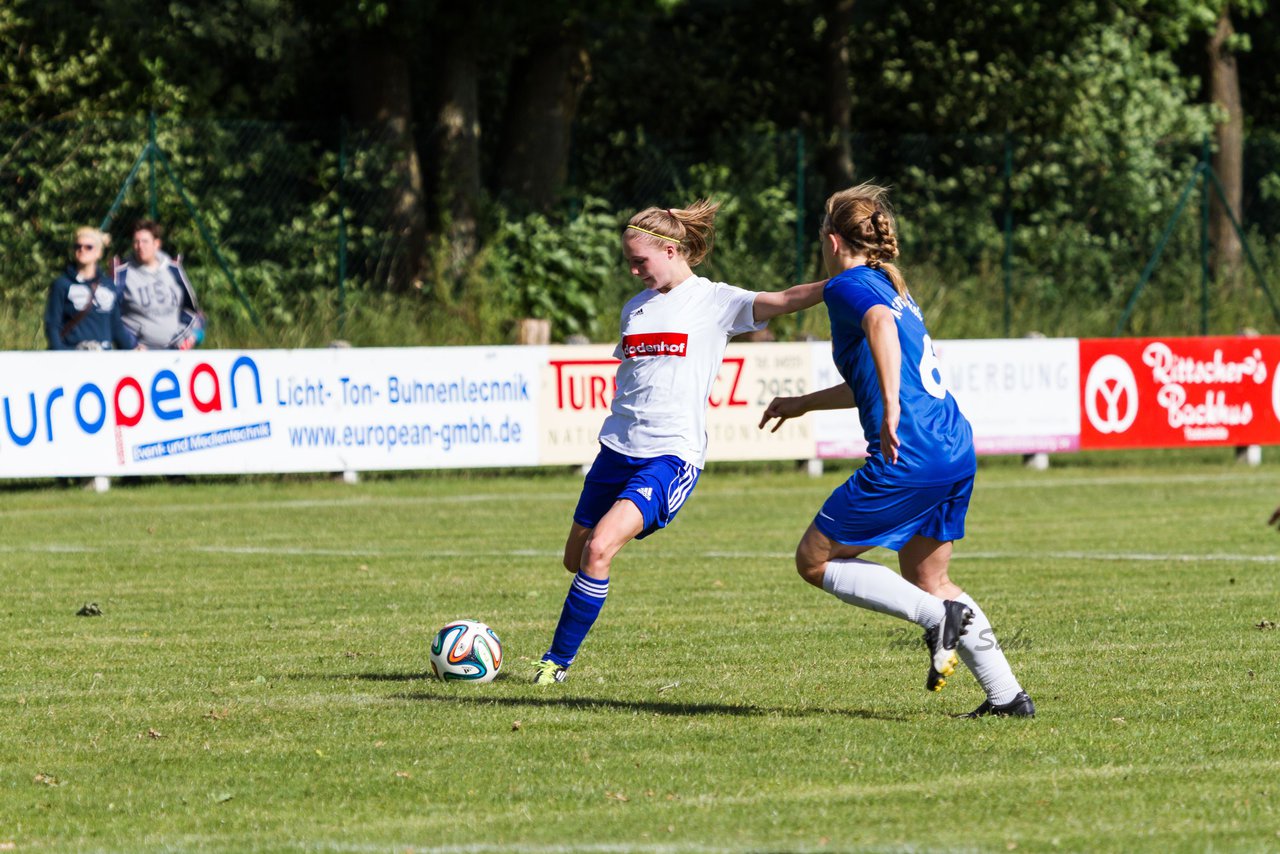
(459, 163)
(380, 100)
(546, 87)
(837, 143)
(1228, 159)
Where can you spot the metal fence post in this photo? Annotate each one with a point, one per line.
(152, 205)
(799, 205)
(342, 226)
(1008, 233)
(207, 236)
(1205, 190)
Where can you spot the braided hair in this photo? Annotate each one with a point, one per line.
(863, 218)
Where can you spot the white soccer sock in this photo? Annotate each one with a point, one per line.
(878, 588)
(982, 654)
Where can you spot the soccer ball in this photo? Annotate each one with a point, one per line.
(466, 650)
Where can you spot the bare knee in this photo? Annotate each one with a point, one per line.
(597, 557)
(809, 566)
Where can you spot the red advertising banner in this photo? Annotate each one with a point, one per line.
(1179, 392)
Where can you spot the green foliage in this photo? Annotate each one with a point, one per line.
(570, 272)
(1090, 120)
(48, 75)
(753, 179)
(1093, 102)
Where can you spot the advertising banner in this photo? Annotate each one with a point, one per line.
(259, 411)
(578, 386)
(1178, 392)
(1021, 395)
(226, 411)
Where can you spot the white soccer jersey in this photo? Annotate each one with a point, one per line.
(671, 349)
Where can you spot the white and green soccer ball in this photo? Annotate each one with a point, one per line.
(466, 650)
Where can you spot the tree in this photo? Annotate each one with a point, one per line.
(1183, 21)
(1228, 156)
(380, 94)
(457, 179)
(837, 142)
(545, 88)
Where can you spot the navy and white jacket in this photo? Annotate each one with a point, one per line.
(159, 305)
(68, 296)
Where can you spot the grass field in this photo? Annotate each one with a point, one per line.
(255, 680)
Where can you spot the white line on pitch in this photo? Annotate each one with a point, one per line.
(710, 491)
(360, 501)
(1120, 556)
(429, 553)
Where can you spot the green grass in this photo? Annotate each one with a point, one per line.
(256, 679)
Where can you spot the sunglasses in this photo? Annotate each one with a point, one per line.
(80, 246)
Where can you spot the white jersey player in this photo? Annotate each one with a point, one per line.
(653, 444)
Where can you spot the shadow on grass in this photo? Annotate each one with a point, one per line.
(675, 708)
(671, 707)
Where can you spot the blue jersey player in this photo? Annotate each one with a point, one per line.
(912, 493)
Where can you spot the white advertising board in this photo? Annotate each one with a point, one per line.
(258, 411)
(226, 411)
(1021, 396)
(578, 387)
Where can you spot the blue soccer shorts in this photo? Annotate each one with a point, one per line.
(658, 486)
(865, 512)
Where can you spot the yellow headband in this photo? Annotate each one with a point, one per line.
(655, 234)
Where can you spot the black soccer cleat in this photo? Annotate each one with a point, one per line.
(1019, 707)
(942, 641)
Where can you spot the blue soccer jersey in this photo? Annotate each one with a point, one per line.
(936, 440)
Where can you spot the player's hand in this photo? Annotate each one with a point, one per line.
(1275, 517)
(781, 408)
(889, 442)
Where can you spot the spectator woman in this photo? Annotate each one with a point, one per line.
(83, 309)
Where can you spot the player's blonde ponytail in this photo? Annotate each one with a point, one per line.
(691, 229)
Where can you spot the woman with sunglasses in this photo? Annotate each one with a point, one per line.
(83, 309)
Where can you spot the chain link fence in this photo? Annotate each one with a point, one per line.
(1006, 234)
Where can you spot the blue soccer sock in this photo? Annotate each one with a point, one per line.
(581, 607)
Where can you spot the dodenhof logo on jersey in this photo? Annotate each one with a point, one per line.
(655, 344)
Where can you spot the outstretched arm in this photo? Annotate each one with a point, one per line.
(770, 304)
(882, 337)
(782, 408)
